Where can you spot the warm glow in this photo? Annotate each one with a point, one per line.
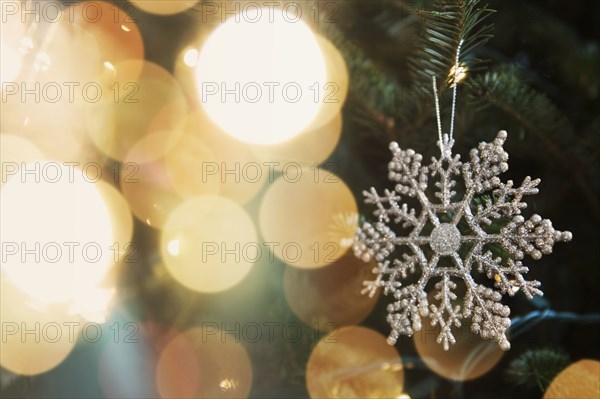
(579, 380)
(204, 363)
(52, 331)
(10, 63)
(335, 298)
(116, 33)
(190, 58)
(149, 192)
(311, 214)
(354, 362)
(56, 232)
(14, 151)
(12, 30)
(312, 147)
(470, 357)
(208, 161)
(164, 7)
(243, 57)
(209, 244)
(139, 119)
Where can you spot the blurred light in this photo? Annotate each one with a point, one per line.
(204, 363)
(117, 36)
(138, 120)
(14, 152)
(128, 360)
(580, 380)
(212, 255)
(308, 148)
(35, 337)
(59, 230)
(335, 298)
(221, 164)
(336, 87)
(268, 49)
(310, 201)
(10, 63)
(12, 52)
(193, 154)
(469, 358)
(459, 74)
(190, 58)
(148, 190)
(354, 362)
(93, 304)
(164, 7)
(173, 248)
(46, 103)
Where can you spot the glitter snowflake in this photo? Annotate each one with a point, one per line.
(449, 241)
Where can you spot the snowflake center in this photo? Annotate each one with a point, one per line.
(445, 239)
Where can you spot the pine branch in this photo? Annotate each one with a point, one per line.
(503, 89)
(537, 367)
(444, 28)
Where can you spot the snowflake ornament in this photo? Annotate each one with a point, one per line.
(452, 240)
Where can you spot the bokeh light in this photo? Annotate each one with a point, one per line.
(57, 232)
(141, 118)
(580, 380)
(469, 358)
(267, 87)
(209, 243)
(115, 31)
(14, 152)
(36, 337)
(354, 362)
(311, 147)
(128, 360)
(149, 192)
(164, 7)
(320, 215)
(204, 362)
(330, 296)
(337, 83)
(46, 101)
(221, 164)
(187, 165)
(12, 31)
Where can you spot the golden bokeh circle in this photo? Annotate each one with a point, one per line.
(222, 162)
(335, 293)
(580, 380)
(187, 165)
(116, 32)
(311, 147)
(59, 229)
(204, 362)
(149, 192)
(16, 151)
(35, 337)
(354, 362)
(336, 86)
(137, 119)
(469, 358)
(309, 216)
(164, 7)
(209, 243)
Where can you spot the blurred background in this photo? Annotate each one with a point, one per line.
(169, 230)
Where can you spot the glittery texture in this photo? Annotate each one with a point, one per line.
(435, 255)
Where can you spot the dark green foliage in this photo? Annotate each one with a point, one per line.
(445, 26)
(537, 367)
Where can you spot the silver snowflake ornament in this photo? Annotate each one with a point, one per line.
(445, 241)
